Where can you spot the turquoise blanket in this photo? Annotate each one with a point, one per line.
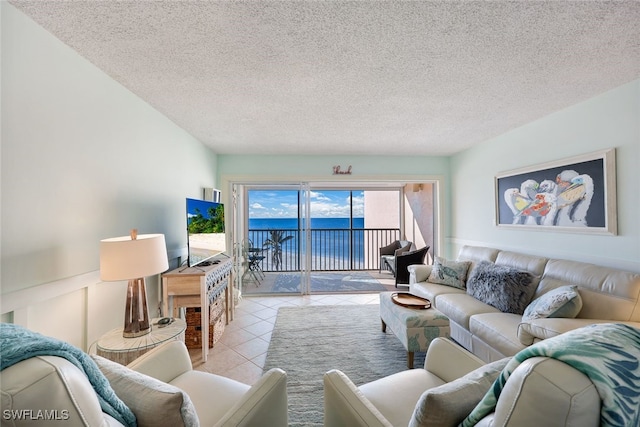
(18, 344)
(607, 353)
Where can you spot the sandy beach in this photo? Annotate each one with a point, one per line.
(208, 242)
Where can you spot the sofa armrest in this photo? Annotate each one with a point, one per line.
(419, 273)
(450, 361)
(535, 330)
(264, 404)
(346, 405)
(165, 362)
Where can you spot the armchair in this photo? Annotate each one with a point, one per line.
(389, 253)
(405, 260)
(56, 386)
(540, 391)
(218, 401)
(390, 401)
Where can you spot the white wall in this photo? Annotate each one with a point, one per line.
(319, 169)
(611, 120)
(83, 159)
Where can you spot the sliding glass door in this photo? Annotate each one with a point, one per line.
(293, 233)
(286, 236)
(271, 239)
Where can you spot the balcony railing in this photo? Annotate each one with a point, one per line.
(332, 249)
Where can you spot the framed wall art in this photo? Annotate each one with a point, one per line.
(574, 195)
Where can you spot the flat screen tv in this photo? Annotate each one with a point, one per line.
(205, 230)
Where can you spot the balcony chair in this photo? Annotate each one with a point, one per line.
(252, 259)
(389, 253)
(405, 260)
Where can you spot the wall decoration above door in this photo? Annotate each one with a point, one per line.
(574, 195)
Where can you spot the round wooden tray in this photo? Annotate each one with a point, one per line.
(406, 299)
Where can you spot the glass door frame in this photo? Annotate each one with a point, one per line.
(241, 214)
(237, 187)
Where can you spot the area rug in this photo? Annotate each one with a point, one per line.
(329, 282)
(308, 341)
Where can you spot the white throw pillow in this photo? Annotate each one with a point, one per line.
(153, 402)
(564, 301)
(449, 404)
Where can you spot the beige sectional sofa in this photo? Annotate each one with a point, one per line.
(607, 294)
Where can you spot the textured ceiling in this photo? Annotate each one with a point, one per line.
(358, 77)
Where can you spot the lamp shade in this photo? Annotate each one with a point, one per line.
(124, 258)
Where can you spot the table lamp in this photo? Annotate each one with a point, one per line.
(133, 258)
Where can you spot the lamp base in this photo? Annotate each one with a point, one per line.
(136, 315)
(135, 334)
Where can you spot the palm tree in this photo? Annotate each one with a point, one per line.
(275, 242)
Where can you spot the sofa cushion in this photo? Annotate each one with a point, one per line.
(430, 290)
(564, 301)
(536, 330)
(449, 404)
(459, 307)
(204, 389)
(498, 330)
(152, 401)
(606, 293)
(531, 263)
(396, 407)
(450, 273)
(505, 288)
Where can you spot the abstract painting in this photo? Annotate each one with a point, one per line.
(576, 195)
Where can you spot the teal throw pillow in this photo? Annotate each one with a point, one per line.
(450, 273)
(564, 302)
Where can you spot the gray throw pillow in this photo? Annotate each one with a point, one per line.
(449, 404)
(153, 402)
(508, 289)
(450, 273)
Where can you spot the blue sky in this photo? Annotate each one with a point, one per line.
(324, 204)
(203, 206)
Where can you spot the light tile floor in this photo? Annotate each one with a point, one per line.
(241, 352)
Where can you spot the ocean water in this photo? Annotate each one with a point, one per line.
(333, 245)
(292, 223)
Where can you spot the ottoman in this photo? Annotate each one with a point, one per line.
(415, 328)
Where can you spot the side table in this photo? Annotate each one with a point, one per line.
(117, 348)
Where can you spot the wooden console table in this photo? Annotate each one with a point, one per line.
(198, 286)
